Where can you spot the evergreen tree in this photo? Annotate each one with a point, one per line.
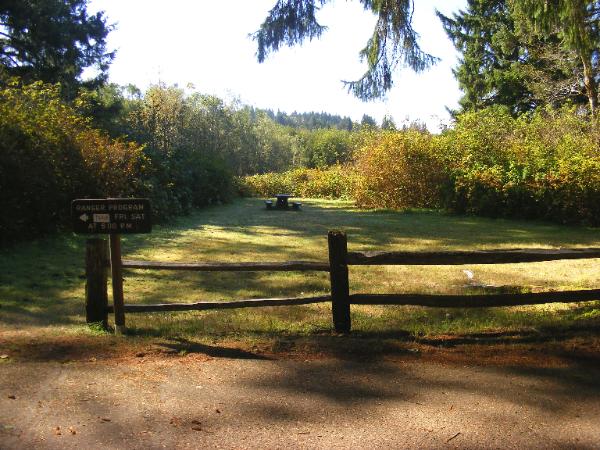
(393, 43)
(53, 41)
(368, 122)
(346, 124)
(500, 65)
(487, 72)
(576, 22)
(387, 123)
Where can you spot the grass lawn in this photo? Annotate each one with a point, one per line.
(42, 282)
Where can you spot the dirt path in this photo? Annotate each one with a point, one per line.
(249, 401)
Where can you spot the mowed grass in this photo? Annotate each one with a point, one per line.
(42, 282)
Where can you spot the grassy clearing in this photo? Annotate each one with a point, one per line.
(41, 283)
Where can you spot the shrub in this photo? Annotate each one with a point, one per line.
(541, 165)
(50, 155)
(186, 141)
(333, 182)
(400, 170)
(327, 147)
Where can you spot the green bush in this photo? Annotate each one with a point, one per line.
(327, 147)
(188, 142)
(541, 165)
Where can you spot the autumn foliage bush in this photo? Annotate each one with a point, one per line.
(399, 170)
(543, 165)
(333, 182)
(49, 155)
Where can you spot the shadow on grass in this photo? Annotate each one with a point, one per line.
(221, 286)
(42, 282)
(424, 229)
(575, 345)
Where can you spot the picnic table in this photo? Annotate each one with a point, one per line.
(282, 202)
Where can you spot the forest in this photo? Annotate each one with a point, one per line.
(523, 143)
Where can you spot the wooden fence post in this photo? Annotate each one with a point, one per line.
(117, 282)
(340, 286)
(96, 296)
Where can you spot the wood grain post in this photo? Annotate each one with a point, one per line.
(340, 286)
(117, 282)
(96, 296)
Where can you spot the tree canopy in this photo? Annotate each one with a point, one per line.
(576, 22)
(500, 65)
(511, 48)
(393, 42)
(53, 41)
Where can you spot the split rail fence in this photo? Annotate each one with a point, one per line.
(98, 262)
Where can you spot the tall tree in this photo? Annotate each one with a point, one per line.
(393, 42)
(53, 41)
(487, 71)
(387, 123)
(368, 122)
(577, 24)
(500, 65)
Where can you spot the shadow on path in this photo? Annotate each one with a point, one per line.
(184, 346)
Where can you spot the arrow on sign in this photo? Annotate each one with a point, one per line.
(84, 217)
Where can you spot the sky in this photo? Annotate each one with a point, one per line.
(206, 44)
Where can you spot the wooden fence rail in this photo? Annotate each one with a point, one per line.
(475, 301)
(337, 266)
(202, 306)
(469, 257)
(284, 266)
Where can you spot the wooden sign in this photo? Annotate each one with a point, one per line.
(111, 216)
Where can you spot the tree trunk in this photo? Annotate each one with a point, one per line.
(589, 81)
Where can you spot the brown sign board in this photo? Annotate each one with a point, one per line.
(111, 216)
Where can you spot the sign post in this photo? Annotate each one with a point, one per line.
(117, 282)
(113, 216)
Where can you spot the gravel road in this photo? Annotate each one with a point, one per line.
(195, 401)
